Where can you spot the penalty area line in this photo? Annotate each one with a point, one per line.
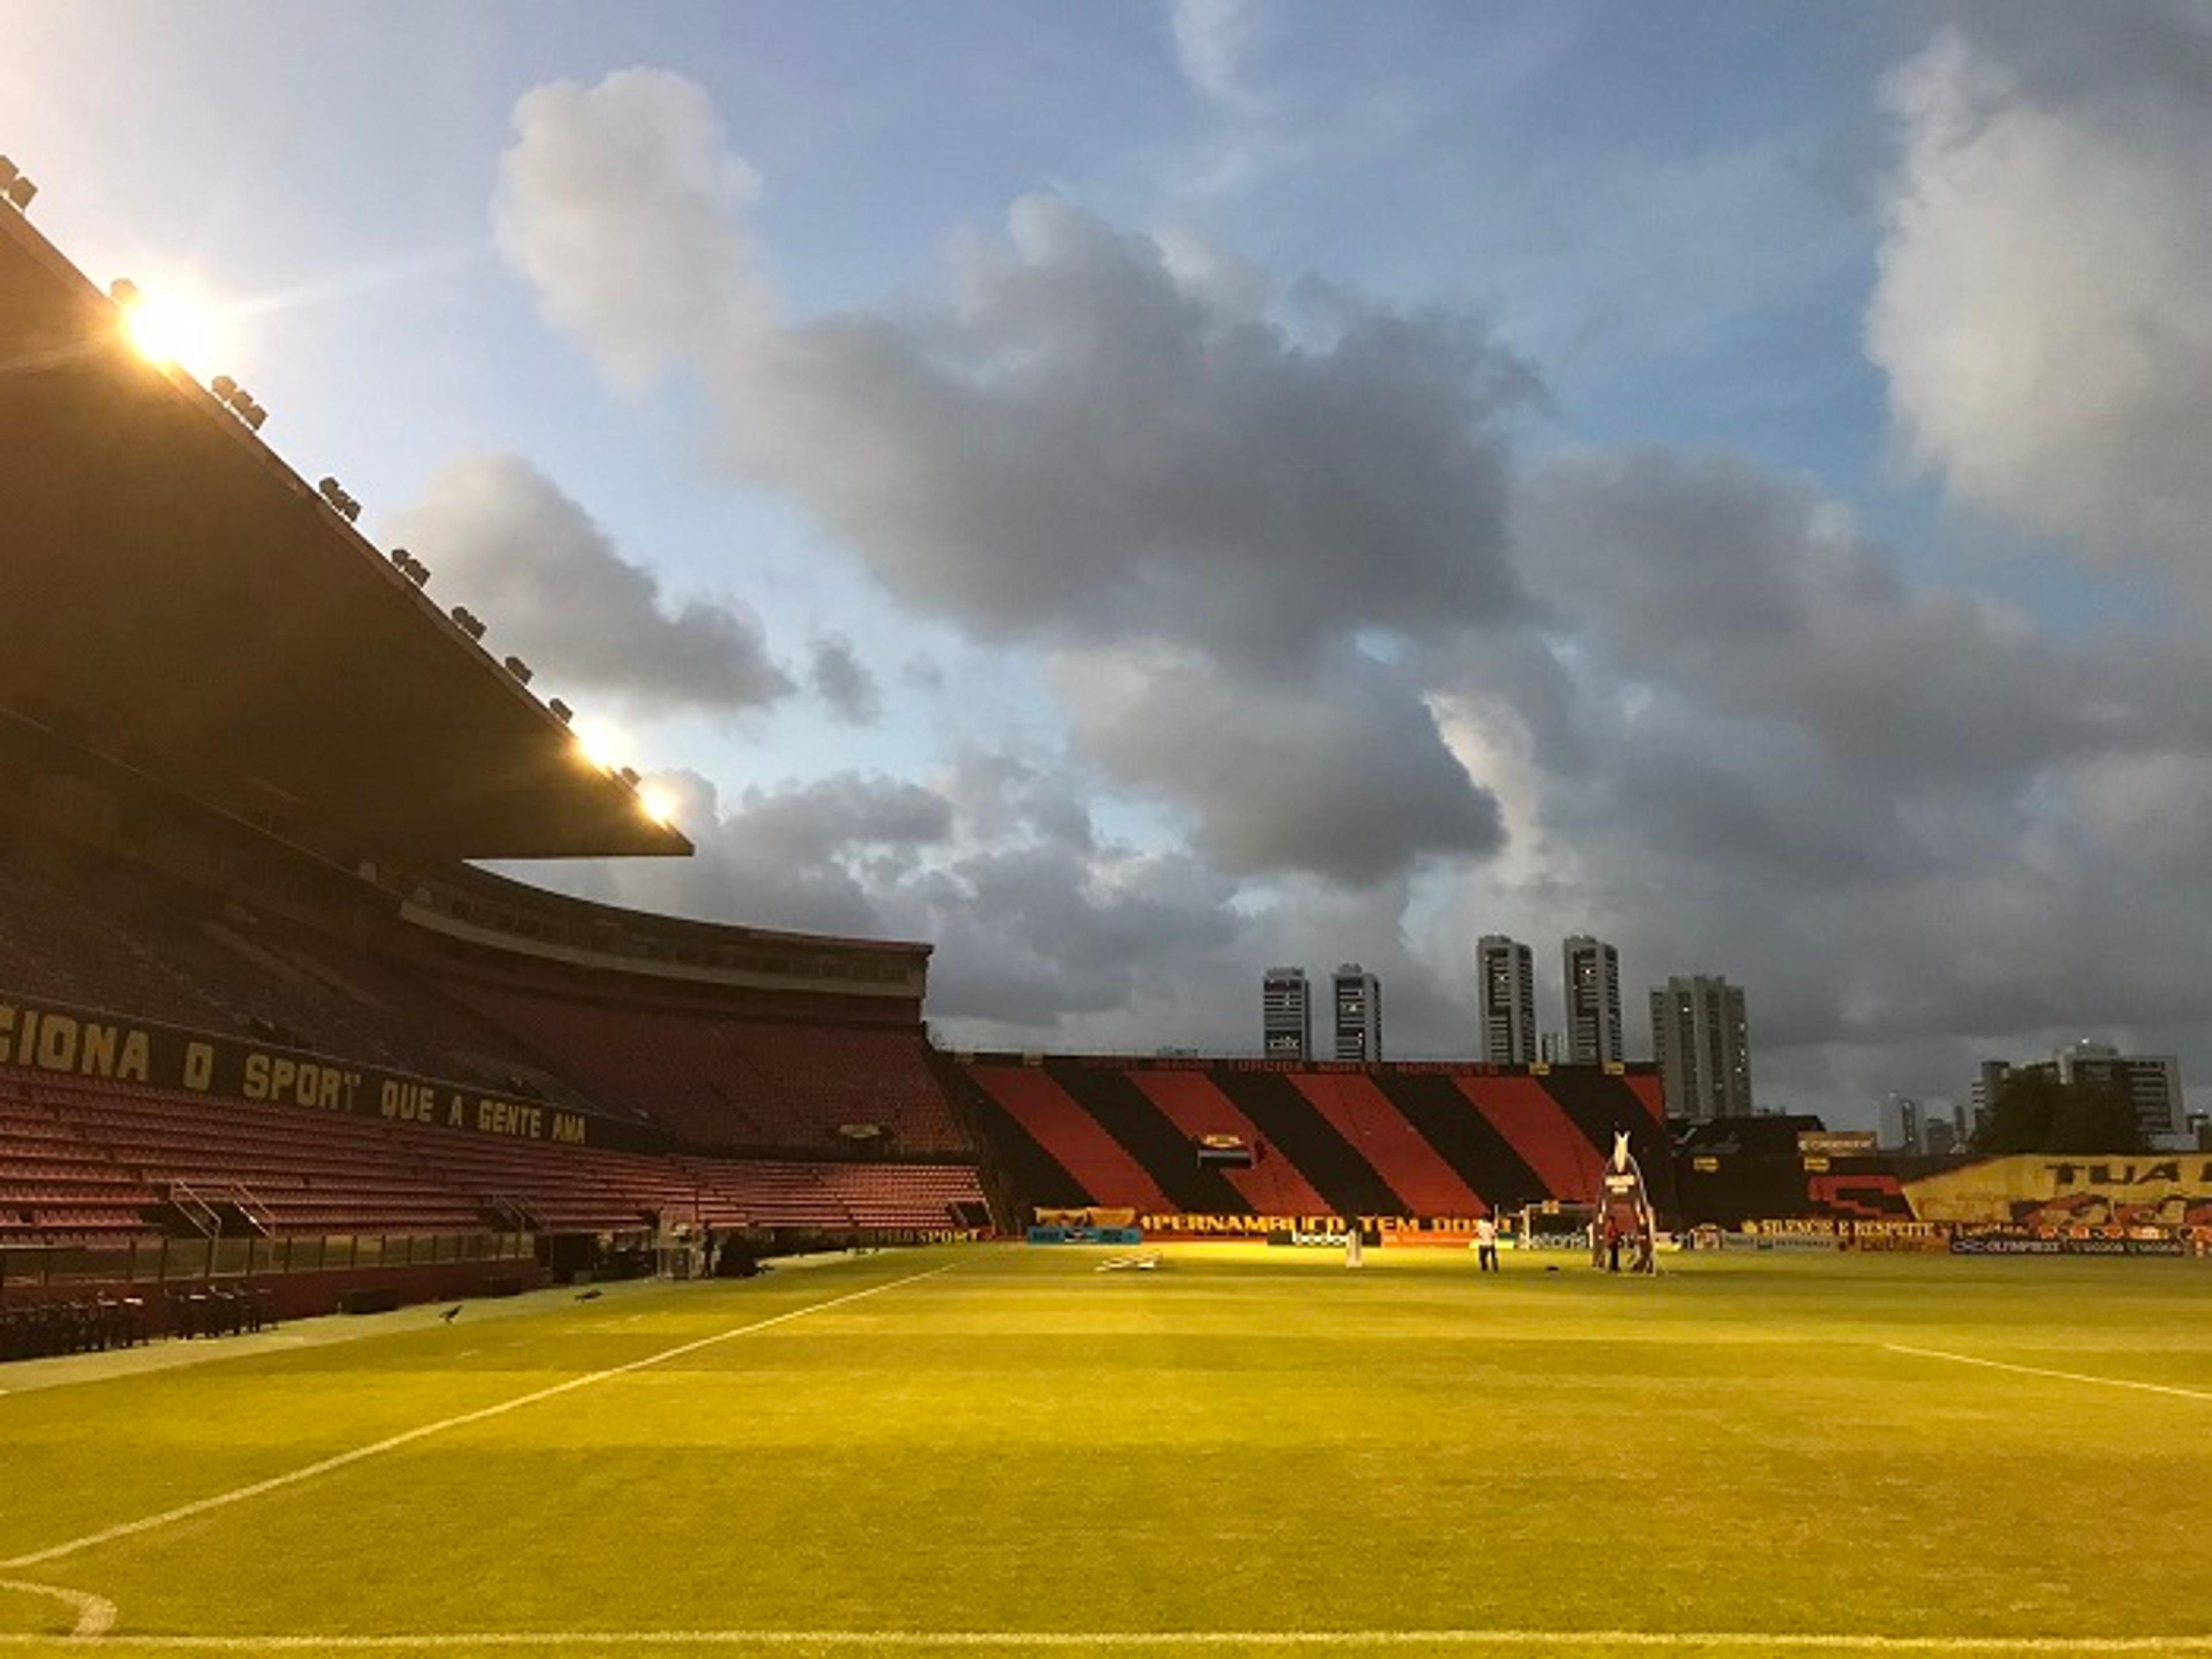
(1604, 1640)
(407, 1437)
(2039, 1370)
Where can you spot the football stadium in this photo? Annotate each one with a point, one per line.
(398, 1257)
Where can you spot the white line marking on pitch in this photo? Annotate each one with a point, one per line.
(200, 1506)
(2038, 1371)
(1762, 1641)
(95, 1614)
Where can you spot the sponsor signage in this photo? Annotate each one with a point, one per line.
(56, 1041)
(1384, 1229)
(2019, 1241)
(1084, 1236)
(1091, 1216)
(1321, 1240)
(1836, 1143)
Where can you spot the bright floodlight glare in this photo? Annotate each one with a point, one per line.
(599, 743)
(657, 803)
(174, 327)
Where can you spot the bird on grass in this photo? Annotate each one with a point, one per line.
(589, 1295)
(450, 1314)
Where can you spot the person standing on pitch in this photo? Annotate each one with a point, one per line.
(1486, 1245)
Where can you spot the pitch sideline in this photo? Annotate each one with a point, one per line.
(1759, 1641)
(392, 1443)
(2035, 1371)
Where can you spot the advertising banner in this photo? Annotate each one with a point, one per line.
(51, 1040)
(2060, 1191)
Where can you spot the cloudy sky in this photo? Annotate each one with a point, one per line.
(1137, 491)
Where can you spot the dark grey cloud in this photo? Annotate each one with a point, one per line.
(1095, 441)
(1046, 928)
(1756, 596)
(1079, 448)
(554, 589)
(1344, 774)
(846, 683)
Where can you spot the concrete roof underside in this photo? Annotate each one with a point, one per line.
(171, 591)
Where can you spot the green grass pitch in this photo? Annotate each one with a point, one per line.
(1247, 1453)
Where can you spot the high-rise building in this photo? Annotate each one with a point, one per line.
(1285, 1014)
(1989, 1081)
(1903, 1125)
(1359, 1014)
(1703, 1037)
(1507, 968)
(1593, 985)
(2151, 1083)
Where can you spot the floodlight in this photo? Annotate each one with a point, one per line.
(601, 744)
(520, 669)
(171, 327)
(559, 710)
(9, 173)
(224, 388)
(20, 191)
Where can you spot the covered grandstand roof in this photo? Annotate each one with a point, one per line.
(176, 591)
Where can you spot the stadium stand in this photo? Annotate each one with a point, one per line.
(94, 931)
(716, 1080)
(1414, 1139)
(259, 1005)
(93, 1162)
(1735, 1170)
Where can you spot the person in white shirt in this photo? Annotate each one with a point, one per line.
(1486, 1245)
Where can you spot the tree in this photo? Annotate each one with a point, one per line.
(2034, 1112)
